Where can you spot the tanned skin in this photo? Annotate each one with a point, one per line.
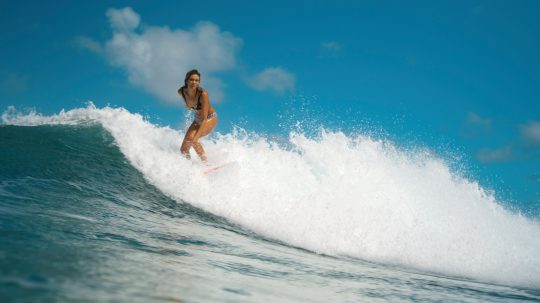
(190, 93)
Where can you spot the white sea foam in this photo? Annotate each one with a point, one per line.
(337, 195)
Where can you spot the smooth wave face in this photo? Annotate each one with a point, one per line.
(337, 195)
(79, 223)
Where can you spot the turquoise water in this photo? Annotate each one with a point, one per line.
(83, 219)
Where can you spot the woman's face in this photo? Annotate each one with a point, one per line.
(193, 81)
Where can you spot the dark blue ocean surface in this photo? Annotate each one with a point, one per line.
(79, 223)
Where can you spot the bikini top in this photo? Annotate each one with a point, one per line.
(199, 104)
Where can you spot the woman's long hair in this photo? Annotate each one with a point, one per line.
(188, 74)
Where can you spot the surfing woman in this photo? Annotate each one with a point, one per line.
(196, 98)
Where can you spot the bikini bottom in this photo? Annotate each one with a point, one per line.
(198, 119)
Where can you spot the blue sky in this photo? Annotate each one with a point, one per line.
(461, 77)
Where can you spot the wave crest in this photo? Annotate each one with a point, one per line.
(335, 194)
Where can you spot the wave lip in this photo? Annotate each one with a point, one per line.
(338, 195)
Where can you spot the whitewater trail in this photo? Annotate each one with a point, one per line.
(338, 195)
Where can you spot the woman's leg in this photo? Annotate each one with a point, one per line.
(188, 139)
(208, 127)
(199, 150)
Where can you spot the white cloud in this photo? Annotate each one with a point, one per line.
(530, 133)
(157, 58)
(123, 20)
(275, 79)
(476, 120)
(487, 155)
(331, 46)
(89, 44)
(476, 126)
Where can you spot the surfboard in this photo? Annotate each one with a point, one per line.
(215, 168)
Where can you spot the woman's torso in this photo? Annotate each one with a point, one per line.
(195, 102)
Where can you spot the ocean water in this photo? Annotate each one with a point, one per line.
(96, 205)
